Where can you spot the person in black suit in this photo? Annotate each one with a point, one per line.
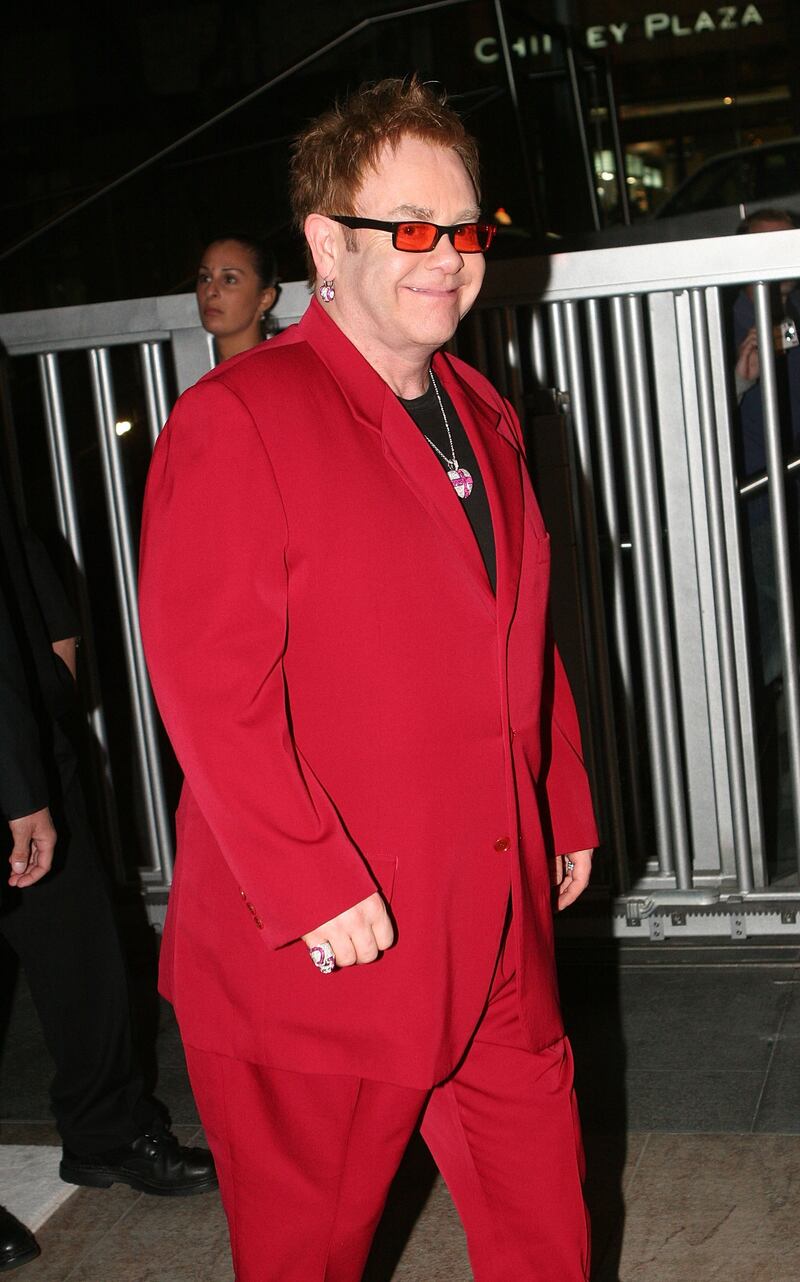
(56, 912)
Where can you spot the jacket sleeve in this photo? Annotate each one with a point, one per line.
(214, 617)
(569, 798)
(23, 786)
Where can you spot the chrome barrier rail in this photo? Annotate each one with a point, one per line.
(175, 351)
(636, 347)
(620, 362)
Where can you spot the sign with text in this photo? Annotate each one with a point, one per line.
(651, 26)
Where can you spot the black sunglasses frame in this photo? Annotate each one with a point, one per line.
(375, 224)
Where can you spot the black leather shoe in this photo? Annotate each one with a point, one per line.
(17, 1244)
(153, 1163)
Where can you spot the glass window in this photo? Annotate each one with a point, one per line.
(731, 181)
(779, 172)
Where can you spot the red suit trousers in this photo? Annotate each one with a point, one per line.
(305, 1160)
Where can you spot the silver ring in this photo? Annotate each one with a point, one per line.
(323, 957)
(568, 864)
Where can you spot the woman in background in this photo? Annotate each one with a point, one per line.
(236, 287)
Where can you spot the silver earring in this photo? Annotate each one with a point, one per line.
(326, 291)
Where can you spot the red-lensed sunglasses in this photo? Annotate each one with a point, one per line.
(420, 238)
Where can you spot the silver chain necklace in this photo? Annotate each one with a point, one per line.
(459, 477)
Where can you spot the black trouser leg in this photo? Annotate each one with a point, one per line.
(64, 933)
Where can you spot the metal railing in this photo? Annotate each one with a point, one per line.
(656, 613)
(637, 346)
(173, 350)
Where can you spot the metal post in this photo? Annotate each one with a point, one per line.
(780, 541)
(613, 535)
(67, 513)
(687, 561)
(538, 358)
(592, 585)
(619, 154)
(720, 372)
(513, 360)
(591, 179)
(508, 66)
(653, 533)
(642, 587)
(155, 387)
(192, 356)
(722, 613)
(144, 719)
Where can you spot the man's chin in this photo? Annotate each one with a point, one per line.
(435, 330)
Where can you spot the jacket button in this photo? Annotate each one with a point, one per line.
(502, 844)
(259, 923)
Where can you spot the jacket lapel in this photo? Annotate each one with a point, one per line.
(406, 450)
(500, 462)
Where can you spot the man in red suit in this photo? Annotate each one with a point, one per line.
(344, 606)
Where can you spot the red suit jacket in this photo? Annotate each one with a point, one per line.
(352, 707)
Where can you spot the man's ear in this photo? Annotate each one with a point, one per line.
(325, 242)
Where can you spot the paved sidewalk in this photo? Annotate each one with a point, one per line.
(689, 1078)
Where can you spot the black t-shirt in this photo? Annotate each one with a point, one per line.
(427, 415)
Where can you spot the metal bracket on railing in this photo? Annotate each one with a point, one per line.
(633, 916)
(561, 400)
(636, 909)
(657, 929)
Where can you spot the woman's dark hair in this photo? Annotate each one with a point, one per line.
(263, 258)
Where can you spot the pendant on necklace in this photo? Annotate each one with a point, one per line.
(461, 481)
